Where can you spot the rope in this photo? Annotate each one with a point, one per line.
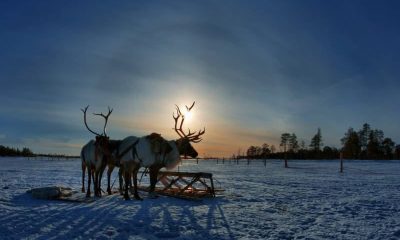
(128, 149)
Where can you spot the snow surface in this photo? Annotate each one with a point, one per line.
(309, 200)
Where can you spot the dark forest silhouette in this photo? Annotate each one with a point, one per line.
(366, 143)
(7, 151)
(26, 152)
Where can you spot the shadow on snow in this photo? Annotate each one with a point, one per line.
(113, 217)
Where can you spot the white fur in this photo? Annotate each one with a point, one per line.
(89, 160)
(173, 158)
(145, 157)
(88, 154)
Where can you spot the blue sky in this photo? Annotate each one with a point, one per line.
(255, 68)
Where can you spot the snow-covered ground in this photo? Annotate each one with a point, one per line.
(309, 200)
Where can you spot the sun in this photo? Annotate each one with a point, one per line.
(188, 115)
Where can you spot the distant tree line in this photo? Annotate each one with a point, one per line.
(368, 143)
(365, 143)
(26, 152)
(290, 148)
(7, 151)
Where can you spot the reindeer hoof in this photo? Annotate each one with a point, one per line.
(137, 197)
(88, 195)
(153, 195)
(127, 198)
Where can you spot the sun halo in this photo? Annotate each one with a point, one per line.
(188, 115)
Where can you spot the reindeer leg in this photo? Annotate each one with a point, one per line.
(120, 180)
(83, 176)
(94, 182)
(130, 180)
(96, 179)
(109, 171)
(127, 180)
(135, 187)
(153, 181)
(89, 170)
(153, 178)
(93, 179)
(99, 180)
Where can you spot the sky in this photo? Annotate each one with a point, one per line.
(256, 69)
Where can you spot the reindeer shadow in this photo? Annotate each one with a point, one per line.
(111, 217)
(48, 219)
(172, 218)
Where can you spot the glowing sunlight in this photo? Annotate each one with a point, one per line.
(188, 115)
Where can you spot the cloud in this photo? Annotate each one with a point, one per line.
(54, 146)
(256, 70)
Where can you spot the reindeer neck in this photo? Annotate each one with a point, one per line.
(173, 157)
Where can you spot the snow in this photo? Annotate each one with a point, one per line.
(309, 200)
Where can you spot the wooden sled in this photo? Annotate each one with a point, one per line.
(186, 185)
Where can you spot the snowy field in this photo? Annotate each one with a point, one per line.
(309, 200)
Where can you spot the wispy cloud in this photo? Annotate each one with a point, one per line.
(54, 146)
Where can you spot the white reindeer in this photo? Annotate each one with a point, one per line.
(95, 155)
(138, 152)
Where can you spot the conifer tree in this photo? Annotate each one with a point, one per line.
(316, 141)
(351, 144)
(293, 143)
(285, 137)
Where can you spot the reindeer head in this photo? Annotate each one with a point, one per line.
(102, 140)
(184, 142)
(185, 148)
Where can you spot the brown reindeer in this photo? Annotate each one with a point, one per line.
(95, 155)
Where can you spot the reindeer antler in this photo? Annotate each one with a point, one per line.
(105, 118)
(179, 114)
(99, 114)
(192, 136)
(84, 119)
(190, 108)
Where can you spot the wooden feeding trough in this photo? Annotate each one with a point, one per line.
(187, 185)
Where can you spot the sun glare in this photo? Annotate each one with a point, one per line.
(188, 115)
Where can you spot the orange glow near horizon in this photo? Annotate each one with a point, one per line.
(223, 138)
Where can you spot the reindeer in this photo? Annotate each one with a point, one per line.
(95, 155)
(137, 152)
